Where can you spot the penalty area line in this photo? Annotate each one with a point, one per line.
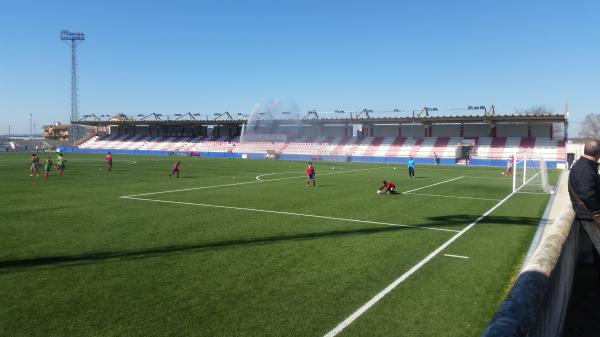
(451, 196)
(291, 213)
(457, 256)
(438, 183)
(360, 311)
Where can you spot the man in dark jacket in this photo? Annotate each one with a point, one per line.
(584, 191)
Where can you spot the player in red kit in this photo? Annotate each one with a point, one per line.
(388, 187)
(175, 169)
(108, 159)
(310, 175)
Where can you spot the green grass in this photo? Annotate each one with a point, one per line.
(78, 260)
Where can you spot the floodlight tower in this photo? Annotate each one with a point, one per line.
(73, 39)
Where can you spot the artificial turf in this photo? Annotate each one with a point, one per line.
(252, 258)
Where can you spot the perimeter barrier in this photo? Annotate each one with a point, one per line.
(537, 304)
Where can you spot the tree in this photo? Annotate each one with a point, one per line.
(535, 110)
(590, 128)
(558, 131)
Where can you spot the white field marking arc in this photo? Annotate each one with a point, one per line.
(292, 213)
(438, 183)
(451, 196)
(356, 314)
(456, 256)
(241, 183)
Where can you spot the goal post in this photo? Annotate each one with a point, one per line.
(530, 174)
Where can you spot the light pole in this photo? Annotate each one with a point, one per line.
(73, 39)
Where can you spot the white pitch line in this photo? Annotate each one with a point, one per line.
(243, 183)
(355, 315)
(270, 174)
(439, 183)
(457, 256)
(291, 213)
(451, 196)
(489, 178)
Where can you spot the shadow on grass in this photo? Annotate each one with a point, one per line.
(8, 266)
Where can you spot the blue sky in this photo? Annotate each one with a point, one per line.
(213, 56)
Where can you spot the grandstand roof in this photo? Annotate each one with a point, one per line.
(507, 118)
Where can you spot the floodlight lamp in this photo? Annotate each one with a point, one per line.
(67, 35)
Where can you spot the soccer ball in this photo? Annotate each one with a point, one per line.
(333, 167)
(395, 168)
(502, 172)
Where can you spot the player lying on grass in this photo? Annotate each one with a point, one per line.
(388, 187)
(175, 169)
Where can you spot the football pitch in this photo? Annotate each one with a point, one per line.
(243, 248)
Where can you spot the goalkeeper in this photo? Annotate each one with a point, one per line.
(388, 187)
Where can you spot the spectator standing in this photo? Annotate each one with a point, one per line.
(584, 191)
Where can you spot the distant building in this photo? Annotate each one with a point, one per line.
(56, 131)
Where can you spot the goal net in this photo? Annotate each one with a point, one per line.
(530, 174)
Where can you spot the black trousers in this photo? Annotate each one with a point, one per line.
(593, 233)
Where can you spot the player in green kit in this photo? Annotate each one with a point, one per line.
(47, 167)
(60, 162)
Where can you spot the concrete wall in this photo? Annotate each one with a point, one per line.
(386, 131)
(541, 130)
(476, 130)
(446, 130)
(334, 131)
(415, 131)
(511, 130)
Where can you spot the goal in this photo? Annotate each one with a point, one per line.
(530, 174)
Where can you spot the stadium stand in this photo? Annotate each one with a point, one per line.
(484, 149)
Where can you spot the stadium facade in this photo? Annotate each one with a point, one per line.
(481, 139)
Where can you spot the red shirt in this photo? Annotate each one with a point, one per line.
(108, 157)
(389, 184)
(310, 170)
(176, 166)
